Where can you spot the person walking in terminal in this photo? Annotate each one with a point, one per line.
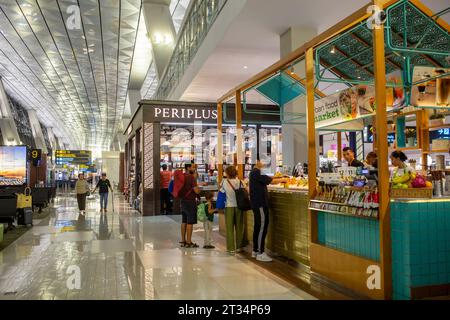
(189, 194)
(166, 204)
(81, 189)
(349, 156)
(260, 205)
(234, 218)
(104, 186)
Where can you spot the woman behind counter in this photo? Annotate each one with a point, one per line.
(398, 159)
(371, 161)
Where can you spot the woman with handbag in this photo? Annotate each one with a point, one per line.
(82, 190)
(234, 217)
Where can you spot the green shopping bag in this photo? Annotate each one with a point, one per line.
(201, 212)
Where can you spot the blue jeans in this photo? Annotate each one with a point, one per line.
(103, 200)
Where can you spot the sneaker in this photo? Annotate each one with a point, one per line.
(254, 254)
(264, 257)
(191, 245)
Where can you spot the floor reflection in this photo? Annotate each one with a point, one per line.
(122, 255)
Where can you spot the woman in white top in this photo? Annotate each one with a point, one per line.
(234, 218)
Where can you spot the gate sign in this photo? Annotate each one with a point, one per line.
(36, 156)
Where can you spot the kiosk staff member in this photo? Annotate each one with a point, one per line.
(349, 156)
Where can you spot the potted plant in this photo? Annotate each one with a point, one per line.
(437, 119)
(410, 135)
(390, 125)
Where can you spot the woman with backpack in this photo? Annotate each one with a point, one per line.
(234, 217)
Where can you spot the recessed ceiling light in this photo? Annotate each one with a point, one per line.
(333, 50)
(245, 67)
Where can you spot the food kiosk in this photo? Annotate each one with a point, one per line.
(368, 233)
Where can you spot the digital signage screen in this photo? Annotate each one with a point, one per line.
(443, 134)
(368, 136)
(73, 157)
(13, 166)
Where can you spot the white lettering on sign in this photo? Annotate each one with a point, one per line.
(374, 280)
(185, 113)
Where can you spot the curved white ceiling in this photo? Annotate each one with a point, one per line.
(76, 79)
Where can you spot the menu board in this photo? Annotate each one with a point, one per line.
(432, 93)
(73, 157)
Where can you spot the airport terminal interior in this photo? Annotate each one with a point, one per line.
(224, 150)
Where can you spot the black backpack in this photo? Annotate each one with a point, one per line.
(242, 198)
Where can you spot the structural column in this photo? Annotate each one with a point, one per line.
(7, 123)
(239, 136)
(219, 149)
(295, 139)
(382, 150)
(37, 131)
(134, 97)
(161, 31)
(311, 133)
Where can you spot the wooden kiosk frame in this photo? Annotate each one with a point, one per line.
(345, 269)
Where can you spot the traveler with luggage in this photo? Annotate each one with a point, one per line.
(82, 190)
(104, 186)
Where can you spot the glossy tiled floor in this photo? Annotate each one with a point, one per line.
(122, 255)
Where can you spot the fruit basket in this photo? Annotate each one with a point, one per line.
(424, 193)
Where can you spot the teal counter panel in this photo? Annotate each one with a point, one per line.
(357, 236)
(420, 234)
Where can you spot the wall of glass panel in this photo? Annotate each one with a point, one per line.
(199, 20)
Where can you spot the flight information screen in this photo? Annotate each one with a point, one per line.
(73, 157)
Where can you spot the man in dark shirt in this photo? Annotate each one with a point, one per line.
(349, 156)
(189, 194)
(104, 186)
(260, 205)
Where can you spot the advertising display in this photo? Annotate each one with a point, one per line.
(433, 93)
(13, 166)
(73, 157)
(356, 103)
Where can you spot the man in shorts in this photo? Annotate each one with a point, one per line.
(189, 194)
